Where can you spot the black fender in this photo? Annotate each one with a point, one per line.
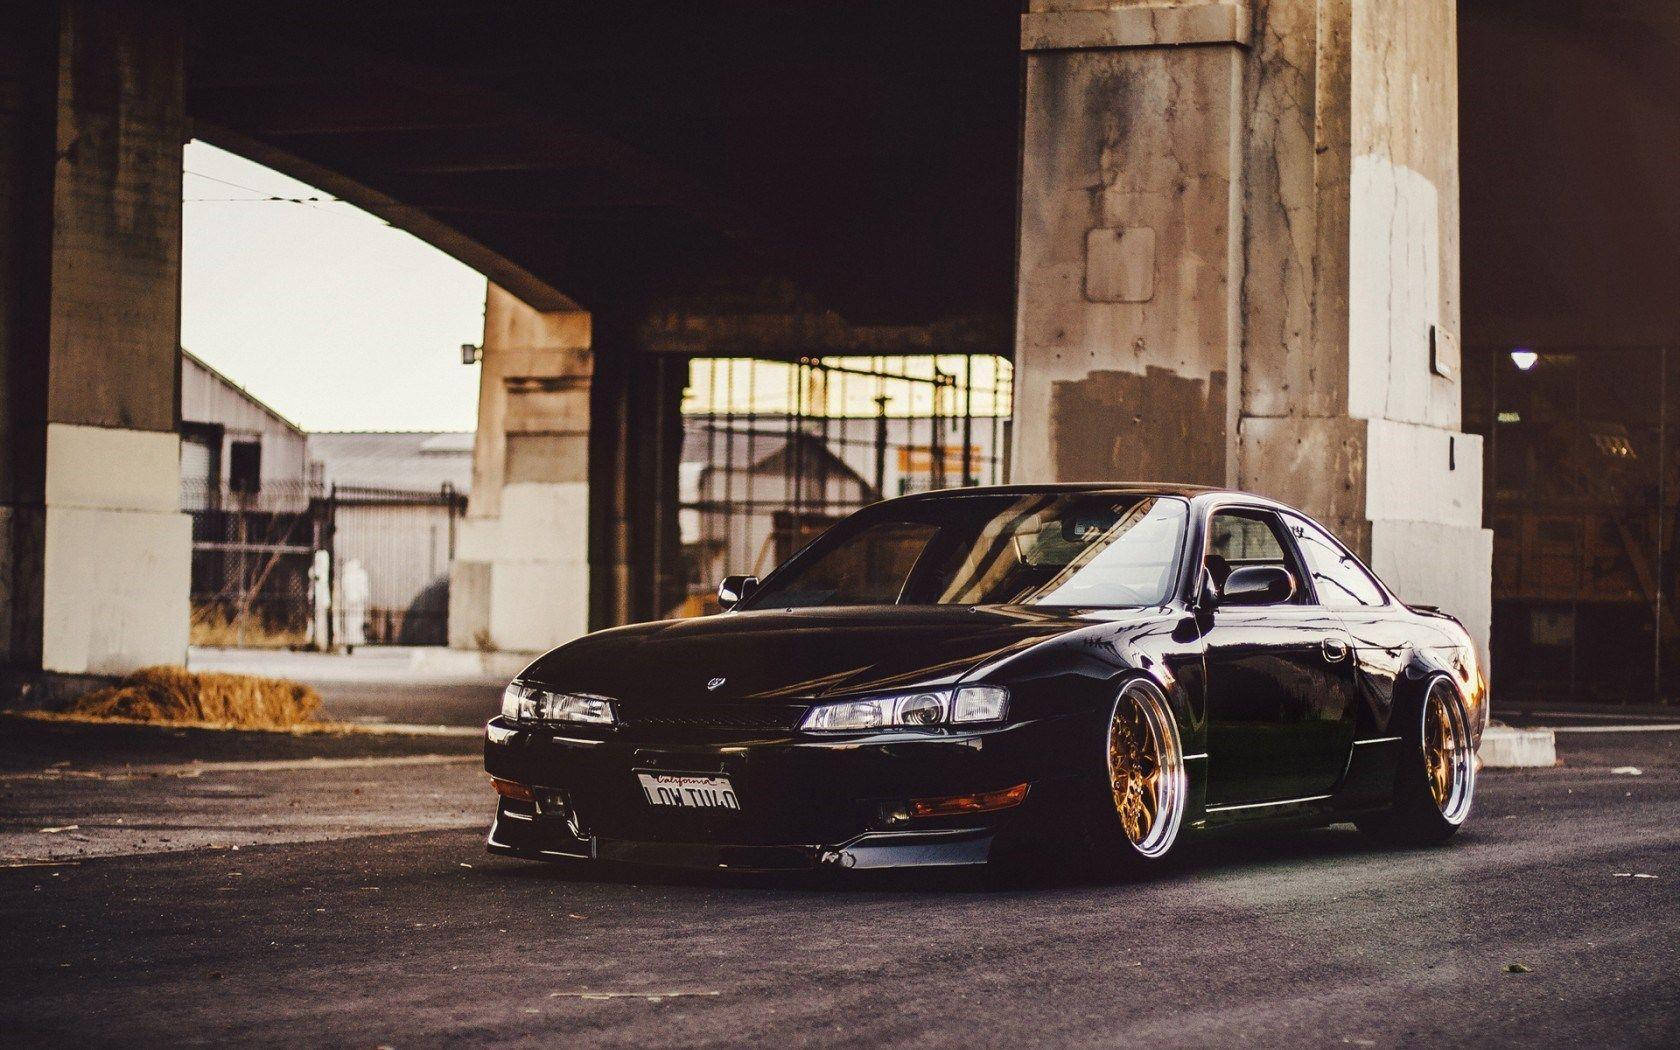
(1458, 666)
(1374, 768)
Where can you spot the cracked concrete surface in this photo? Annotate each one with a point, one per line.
(1290, 939)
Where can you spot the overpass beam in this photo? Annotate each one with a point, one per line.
(94, 552)
(1238, 265)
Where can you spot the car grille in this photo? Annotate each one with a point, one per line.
(745, 717)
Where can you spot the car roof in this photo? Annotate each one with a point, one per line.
(1130, 488)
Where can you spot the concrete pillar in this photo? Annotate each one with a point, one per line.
(635, 545)
(94, 553)
(1239, 266)
(521, 576)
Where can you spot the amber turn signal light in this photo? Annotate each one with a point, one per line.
(509, 789)
(955, 805)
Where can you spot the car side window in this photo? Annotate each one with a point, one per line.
(1240, 538)
(1337, 576)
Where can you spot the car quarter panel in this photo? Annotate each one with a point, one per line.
(1393, 645)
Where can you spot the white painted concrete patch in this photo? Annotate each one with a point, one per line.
(1507, 748)
(118, 551)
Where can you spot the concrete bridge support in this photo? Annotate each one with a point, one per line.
(94, 554)
(1239, 266)
(521, 575)
(571, 525)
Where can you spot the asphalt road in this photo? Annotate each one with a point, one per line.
(346, 928)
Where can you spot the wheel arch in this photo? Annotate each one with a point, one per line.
(1192, 731)
(1421, 668)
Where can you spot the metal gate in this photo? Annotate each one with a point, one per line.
(252, 554)
(267, 568)
(391, 551)
(775, 452)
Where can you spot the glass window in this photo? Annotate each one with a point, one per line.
(1075, 552)
(245, 466)
(1337, 575)
(1237, 539)
(870, 569)
(1065, 549)
(1242, 540)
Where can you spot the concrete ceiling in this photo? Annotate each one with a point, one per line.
(613, 153)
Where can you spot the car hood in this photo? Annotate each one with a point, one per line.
(796, 654)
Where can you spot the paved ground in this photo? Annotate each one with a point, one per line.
(379, 684)
(361, 910)
(73, 791)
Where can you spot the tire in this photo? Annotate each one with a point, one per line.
(1436, 782)
(1136, 824)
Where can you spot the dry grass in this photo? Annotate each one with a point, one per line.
(178, 696)
(211, 626)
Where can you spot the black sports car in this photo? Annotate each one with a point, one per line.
(948, 678)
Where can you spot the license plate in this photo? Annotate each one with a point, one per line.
(684, 791)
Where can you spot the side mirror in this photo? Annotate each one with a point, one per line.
(736, 589)
(1258, 585)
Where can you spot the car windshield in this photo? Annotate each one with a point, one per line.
(1092, 550)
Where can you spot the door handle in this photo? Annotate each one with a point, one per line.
(1335, 649)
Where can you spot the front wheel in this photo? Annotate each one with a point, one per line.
(1147, 789)
(1436, 782)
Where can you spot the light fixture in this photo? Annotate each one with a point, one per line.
(1524, 358)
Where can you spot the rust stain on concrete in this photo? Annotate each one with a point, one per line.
(1150, 426)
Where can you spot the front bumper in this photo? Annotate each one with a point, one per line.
(805, 801)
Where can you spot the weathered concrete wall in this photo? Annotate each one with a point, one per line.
(1126, 328)
(1239, 265)
(98, 554)
(521, 576)
(1423, 479)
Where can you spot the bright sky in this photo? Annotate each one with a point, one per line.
(337, 320)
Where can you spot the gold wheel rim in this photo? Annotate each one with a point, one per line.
(1440, 750)
(1134, 770)
(1448, 761)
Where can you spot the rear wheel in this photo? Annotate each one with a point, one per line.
(1436, 783)
(1147, 788)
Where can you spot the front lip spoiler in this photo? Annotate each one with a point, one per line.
(957, 847)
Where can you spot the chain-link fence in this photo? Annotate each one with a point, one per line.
(299, 565)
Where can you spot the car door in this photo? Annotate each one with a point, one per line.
(1282, 693)
(1383, 634)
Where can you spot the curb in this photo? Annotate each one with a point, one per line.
(1507, 748)
(494, 663)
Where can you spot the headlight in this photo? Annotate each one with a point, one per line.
(971, 703)
(529, 703)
